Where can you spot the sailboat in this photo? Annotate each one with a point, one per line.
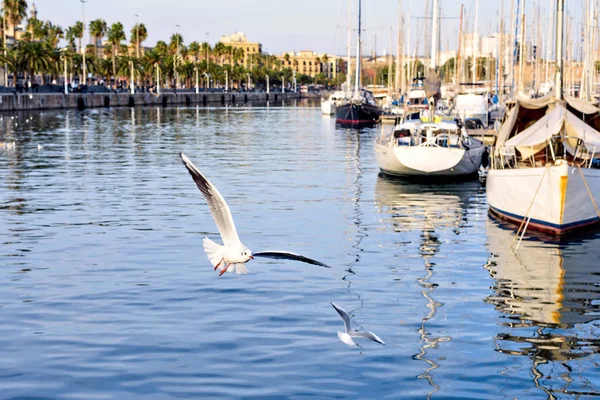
(361, 108)
(544, 173)
(423, 150)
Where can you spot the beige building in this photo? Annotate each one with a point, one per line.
(309, 63)
(239, 41)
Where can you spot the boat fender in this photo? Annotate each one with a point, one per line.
(485, 158)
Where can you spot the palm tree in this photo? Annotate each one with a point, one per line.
(176, 43)
(11, 60)
(149, 60)
(98, 29)
(218, 51)
(78, 32)
(194, 50)
(15, 11)
(187, 71)
(70, 36)
(206, 50)
(161, 47)
(139, 33)
(34, 57)
(104, 68)
(36, 28)
(53, 34)
(325, 60)
(115, 36)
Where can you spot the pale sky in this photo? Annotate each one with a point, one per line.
(284, 25)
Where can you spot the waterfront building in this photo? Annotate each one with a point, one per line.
(239, 41)
(307, 62)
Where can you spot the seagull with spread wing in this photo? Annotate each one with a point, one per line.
(346, 337)
(233, 254)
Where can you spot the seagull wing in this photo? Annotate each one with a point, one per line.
(218, 207)
(367, 335)
(345, 316)
(284, 255)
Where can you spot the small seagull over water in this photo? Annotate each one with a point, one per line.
(346, 337)
(233, 255)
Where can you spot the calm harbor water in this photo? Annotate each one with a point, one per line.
(105, 290)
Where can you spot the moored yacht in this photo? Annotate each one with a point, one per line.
(423, 149)
(544, 173)
(361, 108)
(328, 106)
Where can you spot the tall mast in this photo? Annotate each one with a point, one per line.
(460, 27)
(358, 52)
(560, 8)
(548, 46)
(475, 42)
(500, 61)
(514, 30)
(434, 35)
(397, 75)
(349, 72)
(522, 55)
(390, 64)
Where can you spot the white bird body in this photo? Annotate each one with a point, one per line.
(346, 337)
(233, 254)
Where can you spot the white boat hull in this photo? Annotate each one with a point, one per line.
(562, 203)
(431, 161)
(327, 107)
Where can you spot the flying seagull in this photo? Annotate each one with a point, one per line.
(233, 255)
(346, 337)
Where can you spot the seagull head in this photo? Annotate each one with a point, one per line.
(248, 255)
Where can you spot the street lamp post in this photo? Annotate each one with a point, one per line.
(295, 86)
(157, 77)
(226, 81)
(137, 36)
(64, 57)
(207, 50)
(282, 84)
(5, 46)
(83, 43)
(196, 70)
(131, 84)
(248, 84)
(207, 80)
(268, 89)
(175, 59)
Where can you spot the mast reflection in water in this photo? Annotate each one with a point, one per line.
(431, 209)
(549, 296)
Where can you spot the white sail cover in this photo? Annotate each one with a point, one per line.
(511, 118)
(535, 138)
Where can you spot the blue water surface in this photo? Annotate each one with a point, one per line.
(106, 293)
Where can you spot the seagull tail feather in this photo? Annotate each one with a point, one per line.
(214, 252)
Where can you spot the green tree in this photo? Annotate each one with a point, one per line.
(34, 57)
(11, 60)
(138, 29)
(176, 43)
(14, 11)
(98, 29)
(115, 36)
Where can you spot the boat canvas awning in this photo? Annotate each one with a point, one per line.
(513, 117)
(535, 138)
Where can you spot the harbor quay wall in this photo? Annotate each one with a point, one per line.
(52, 101)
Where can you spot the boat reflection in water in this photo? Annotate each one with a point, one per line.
(432, 210)
(549, 296)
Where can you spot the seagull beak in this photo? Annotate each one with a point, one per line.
(251, 257)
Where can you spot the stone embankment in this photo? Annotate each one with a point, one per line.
(53, 101)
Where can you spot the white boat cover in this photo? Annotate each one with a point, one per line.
(544, 128)
(534, 138)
